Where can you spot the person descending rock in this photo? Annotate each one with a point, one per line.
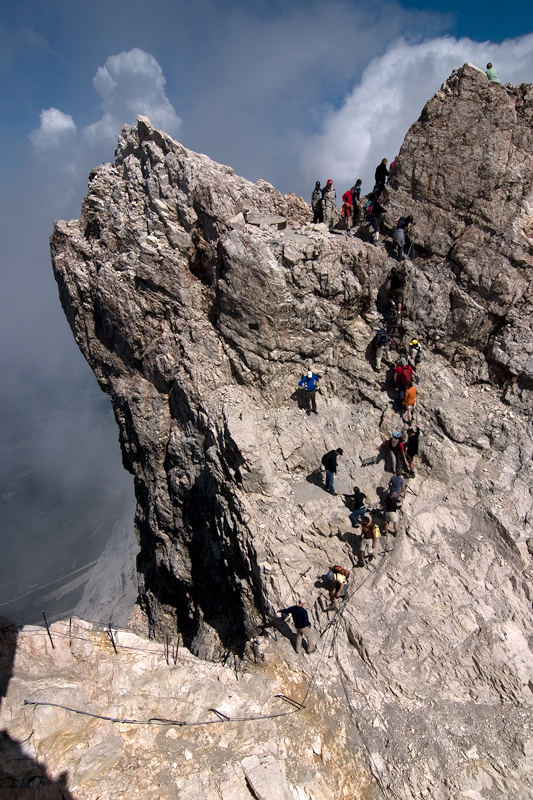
(329, 204)
(397, 452)
(414, 355)
(356, 200)
(392, 504)
(396, 281)
(409, 401)
(491, 74)
(347, 208)
(411, 448)
(358, 504)
(397, 483)
(372, 214)
(380, 177)
(398, 236)
(338, 582)
(316, 204)
(303, 627)
(382, 343)
(403, 377)
(309, 385)
(368, 541)
(329, 461)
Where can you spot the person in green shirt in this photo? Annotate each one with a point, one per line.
(491, 74)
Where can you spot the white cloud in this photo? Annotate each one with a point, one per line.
(376, 115)
(131, 83)
(55, 129)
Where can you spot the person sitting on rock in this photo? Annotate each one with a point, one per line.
(411, 448)
(338, 581)
(357, 501)
(396, 281)
(392, 504)
(309, 385)
(329, 462)
(491, 74)
(398, 236)
(316, 204)
(380, 177)
(368, 541)
(409, 401)
(382, 343)
(397, 451)
(329, 204)
(302, 624)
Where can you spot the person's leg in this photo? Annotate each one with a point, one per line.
(379, 356)
(312, 398)
(298, 643)
(311, 646)
(400, 252)
(329, 482)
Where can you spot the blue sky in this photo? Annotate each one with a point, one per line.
(290, 91)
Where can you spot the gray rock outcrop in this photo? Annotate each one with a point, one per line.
(199, 299)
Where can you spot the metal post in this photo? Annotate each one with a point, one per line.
(110, 634)
(48, 629)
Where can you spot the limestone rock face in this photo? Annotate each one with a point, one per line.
(199, 299)
(465, 172)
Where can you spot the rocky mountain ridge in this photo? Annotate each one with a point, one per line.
(199, 299)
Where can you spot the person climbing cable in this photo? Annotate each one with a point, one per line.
(398, 236)
(302, 624)
(357, 501)
(380, 177)
(392, 504)
(368, 541)
(372, 214)
(396, 280)
(397, 451)
(411, 448)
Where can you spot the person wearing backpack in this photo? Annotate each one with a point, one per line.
(357, 501)
(338, 583)
(368, 541)
(414, 356)
(398, 236)
(396, 281)
(329, 462)
(397, 452)
(411, 448)
(347, 208)
(392, 504)
(382, 343)
(316, 204)
(403, 377)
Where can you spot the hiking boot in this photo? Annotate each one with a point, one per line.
(360, 564)
(370, 558)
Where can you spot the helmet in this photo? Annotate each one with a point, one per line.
(413, 342)
(396, 435)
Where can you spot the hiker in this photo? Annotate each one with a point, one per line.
(301, 622)
(411, 448)
(491, 74)
(329, 203)
(397, 451)
(368, 541)
(398, 236)
(409, 401)
(359, 508)
(338, 583)
(382, 343)
(380, 177)
(392, 504)
(397, 483)
(329, 461)
(372, 212)
(356, 200)
(393, 164)
(396, 281)
(414, 355)
(316, 204)
(309, 385)
(347, 208)
(403, 377)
